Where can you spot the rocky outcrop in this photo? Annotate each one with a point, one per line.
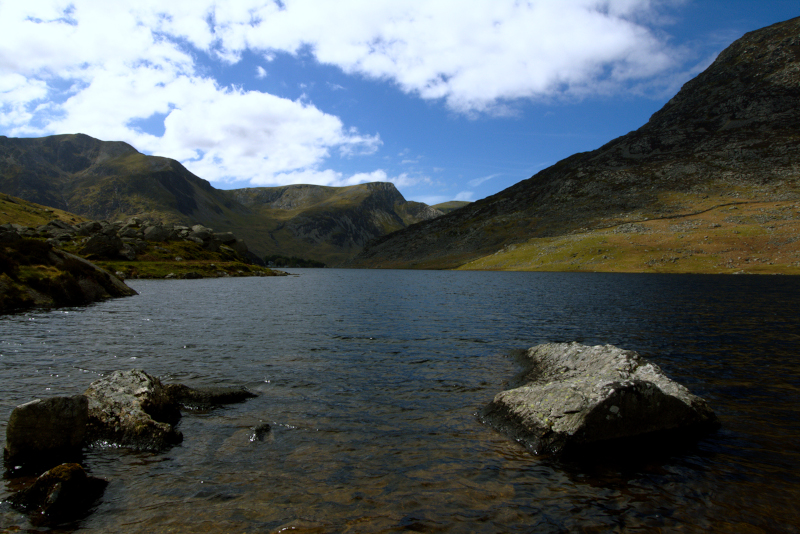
(124, 240)
(575, 396)
(132, 409)
(64, 493)
(52, 278)
(46, 429)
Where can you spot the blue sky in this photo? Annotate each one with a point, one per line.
(447, 99)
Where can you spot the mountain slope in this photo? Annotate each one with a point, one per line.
(328, 223)
(732, 134)
(111, 180)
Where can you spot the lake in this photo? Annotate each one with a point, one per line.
(371, 381)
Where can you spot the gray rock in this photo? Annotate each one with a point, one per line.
(64, 493)
(225, 237)
(104, 246)
(88, 228)
(575, 396)
(132, 409)
(260, 432)
(9, 235)
(46, 428)
(239, 246)
(192, 275)
(130, 231)
(158, 233)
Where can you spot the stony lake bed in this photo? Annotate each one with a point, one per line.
(372, 383)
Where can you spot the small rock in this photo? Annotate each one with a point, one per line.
(260, 432)
(64, 493)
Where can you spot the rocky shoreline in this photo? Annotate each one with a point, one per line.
(131, 409)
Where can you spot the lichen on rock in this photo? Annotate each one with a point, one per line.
(574, 395)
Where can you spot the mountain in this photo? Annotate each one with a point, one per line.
(447, 207)
(112, 181)
(730, 139)
(326, 223)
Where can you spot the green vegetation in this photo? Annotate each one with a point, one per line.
(746, 237)
(447, 207)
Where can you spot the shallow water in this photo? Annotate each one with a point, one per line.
(371, 381)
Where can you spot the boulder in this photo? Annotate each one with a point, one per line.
(158, 233)
(64, 493)
(89, 228)
(208, 397)
(132, 409)
(574, 396)
(102, 246)
(9, 235)
(225, 237)
(44, 431)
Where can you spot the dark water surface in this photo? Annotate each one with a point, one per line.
(371, 381)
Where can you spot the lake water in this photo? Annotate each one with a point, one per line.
(371, 381)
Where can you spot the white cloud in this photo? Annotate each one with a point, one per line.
(478, 181)
(260, 72)
(476, 59)
(100, 68)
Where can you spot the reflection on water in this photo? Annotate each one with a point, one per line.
(371, 381)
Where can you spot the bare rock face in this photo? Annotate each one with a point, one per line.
(44, 429)
(132, 409)
(61, 494)
(575, 395)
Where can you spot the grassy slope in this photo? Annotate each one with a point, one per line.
(17, 211)
(716, 235)
(453, 205)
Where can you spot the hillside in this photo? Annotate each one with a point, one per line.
(453, 205)
(329, 224)
(729, 140)
(103, 180)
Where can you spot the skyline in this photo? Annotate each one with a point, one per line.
(447, 103)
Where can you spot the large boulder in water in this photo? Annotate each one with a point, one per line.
(44, 431)
(132, 409)
(575, 396)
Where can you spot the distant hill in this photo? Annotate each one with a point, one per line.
(447, 207)
(104, 180)
(658, 198)
(330, 224)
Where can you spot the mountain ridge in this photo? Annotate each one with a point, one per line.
(110, 180)
(730, 133)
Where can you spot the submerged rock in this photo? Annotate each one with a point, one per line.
(64, 493)
(46, 430)
(575, 395)
(204, 398)
(132, 409)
